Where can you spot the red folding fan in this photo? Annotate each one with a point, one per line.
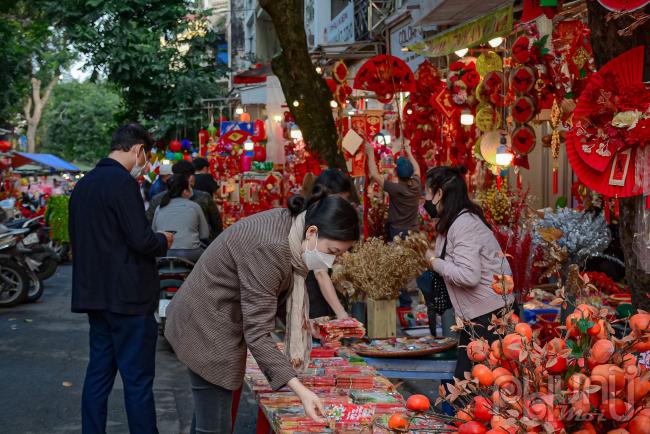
(600, 159)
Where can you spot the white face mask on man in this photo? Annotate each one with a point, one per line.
(316, 260)
(138, 170)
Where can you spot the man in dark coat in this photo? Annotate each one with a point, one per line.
(210, 209)
(115, 281)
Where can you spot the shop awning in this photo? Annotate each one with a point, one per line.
(453, 12)
(468, 34)
(47, 160)
(254, 75)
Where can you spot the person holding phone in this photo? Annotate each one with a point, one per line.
(115, 281)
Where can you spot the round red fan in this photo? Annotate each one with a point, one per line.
(611, 175)
(523, 139)
(623, 5)
(385, 75)
(523, 109)
(523, 79)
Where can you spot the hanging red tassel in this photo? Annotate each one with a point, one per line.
(607, 210)
(617, 209)
(555, 181)
(519, 184)
(499, 182)
(647, 202)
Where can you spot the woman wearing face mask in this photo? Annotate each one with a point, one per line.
(466, 256)
(324, 300)
(179, 214)
(229, 302)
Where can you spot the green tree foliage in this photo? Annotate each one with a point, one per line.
(159, 53)
(79, 120)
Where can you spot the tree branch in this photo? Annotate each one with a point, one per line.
(28, 110)
(50, 87)
(36, 91)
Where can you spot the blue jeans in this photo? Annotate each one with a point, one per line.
(126, 343)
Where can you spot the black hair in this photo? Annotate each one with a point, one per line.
(334, 181)
(128, 135)
(183, 167)
(455, 197)
(335, 217)
(200, 163)
(176, 185)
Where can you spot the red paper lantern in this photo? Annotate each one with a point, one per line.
(260, 131)
(204, 136)
(5, 146)
(175, 146)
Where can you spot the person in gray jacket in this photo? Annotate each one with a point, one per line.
(178, 214)
(472, 257)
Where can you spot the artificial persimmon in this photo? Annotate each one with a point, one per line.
(640, 322)
(616, 409)
(557, 365)
(618, 431)
(496, 349)
(482, 408)
(609, 377)
(503, 284)
(581, 405)
(571, 324)
(602, 350)
(595, 329)
(579, 381)
(512, 346)
(483, 374)
(637, 389)
(472, 427)
(464, 414)
(398, 422)
(477, 350)
(524, 330)
(555, 345)
(639, 425)
(586, 310)
(418, 403)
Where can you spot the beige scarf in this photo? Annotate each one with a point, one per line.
(298, 336)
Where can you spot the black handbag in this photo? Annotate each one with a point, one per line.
(439, 301)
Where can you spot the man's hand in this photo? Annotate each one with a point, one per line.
(170, 239)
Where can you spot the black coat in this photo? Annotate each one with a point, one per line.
(114, 248)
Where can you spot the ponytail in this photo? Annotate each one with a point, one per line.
(175, 187)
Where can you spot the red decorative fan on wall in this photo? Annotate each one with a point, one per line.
(610, 126)
(623, 5)
(385, 75)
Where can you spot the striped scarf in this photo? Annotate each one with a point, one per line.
(298, 336)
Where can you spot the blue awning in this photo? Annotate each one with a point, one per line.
(47, 160)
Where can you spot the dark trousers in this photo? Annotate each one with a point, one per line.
(212, 407)
(464, 364)
(126, 343)
(405, 299)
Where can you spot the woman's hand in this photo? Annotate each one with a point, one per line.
(430, 256)
(342, 315)
(311, 403)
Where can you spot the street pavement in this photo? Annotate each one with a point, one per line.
(43, 358)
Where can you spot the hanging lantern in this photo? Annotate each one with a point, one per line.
(213, 131)
(175, 146)
(186, 144)
(245, 117)
(295, 133)
(204, 136)
(504, 156)
(5, 146)
(466, 118)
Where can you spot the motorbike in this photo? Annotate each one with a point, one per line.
(14, 278)
(41, 258)
(172, 271)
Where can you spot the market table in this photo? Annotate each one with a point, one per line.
(437, 367)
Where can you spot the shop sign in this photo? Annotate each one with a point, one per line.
(476, 32)
(341, 28)
(403, 37)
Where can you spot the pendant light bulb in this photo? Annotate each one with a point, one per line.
(495, 42)
(462, 52)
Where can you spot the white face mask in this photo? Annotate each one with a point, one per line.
(138, 170)
(315, 260)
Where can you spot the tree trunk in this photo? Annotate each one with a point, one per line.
(607, 44)
(34, 109)
(301, 83)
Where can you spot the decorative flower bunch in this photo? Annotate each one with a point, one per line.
(581, 233)
(604, 283)
(372, 269)
(586, 381)
(497, 205)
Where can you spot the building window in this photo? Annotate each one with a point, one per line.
(338, 6)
